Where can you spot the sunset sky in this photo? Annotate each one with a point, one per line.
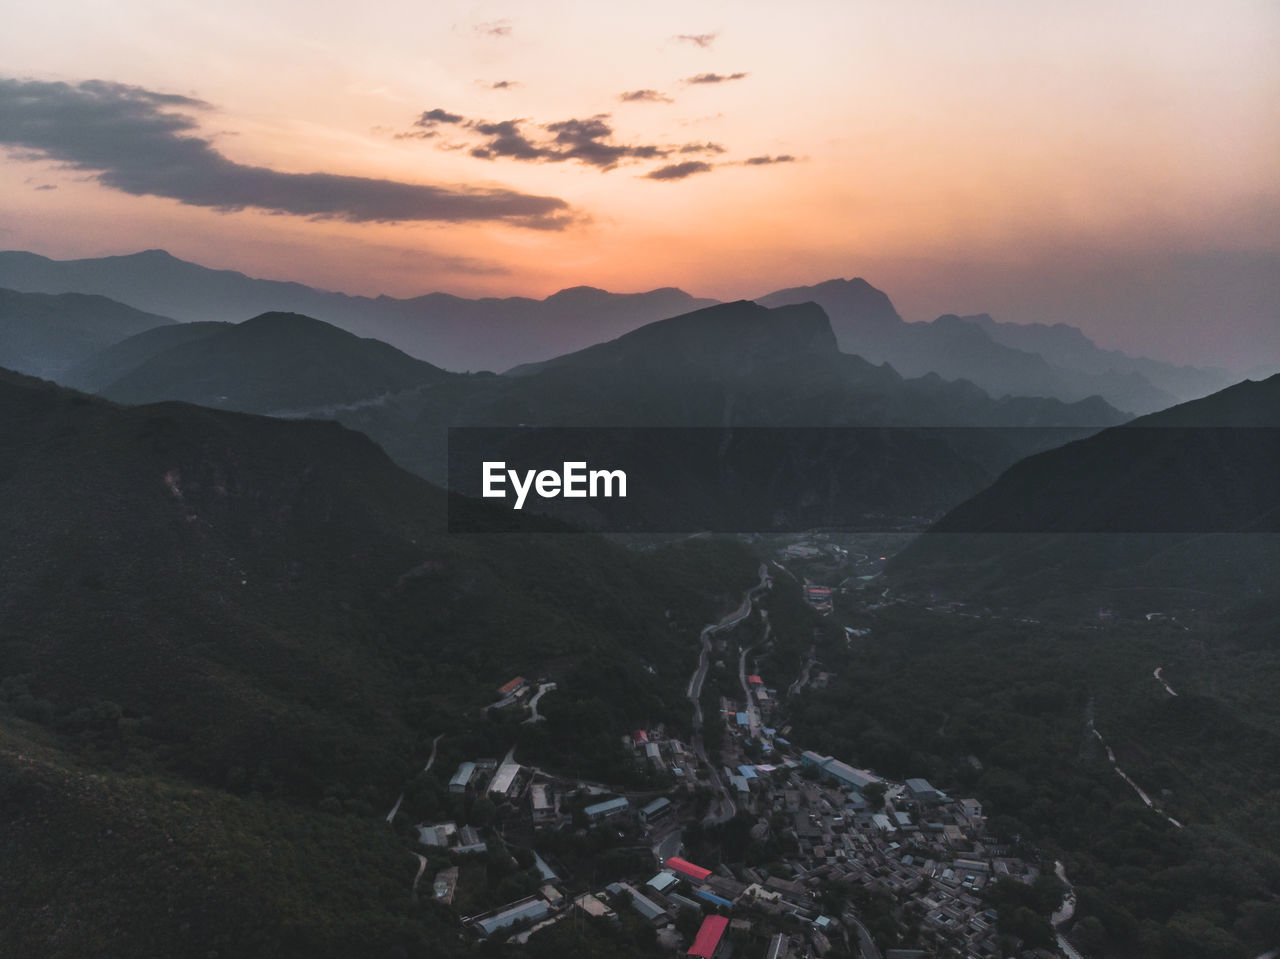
(1115, 165)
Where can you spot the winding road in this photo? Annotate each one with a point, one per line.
(1136, 788)
(1160, 680)
(533, 703)
(725, 809)
(1064, 913)
(430, 760)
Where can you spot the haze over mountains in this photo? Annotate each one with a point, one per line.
(459, 334)
(1031, 360)
(45, 335)
(449, 331)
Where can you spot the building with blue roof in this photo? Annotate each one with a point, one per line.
(712, 898)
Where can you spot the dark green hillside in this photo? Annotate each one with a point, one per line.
(273, 362)
(224, 629)
(268, 596)
(1181, 506)
(119, 864)
(45, 335)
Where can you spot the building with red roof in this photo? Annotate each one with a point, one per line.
(755, 680)
(687, 869)
(506, 689)
(708, 938)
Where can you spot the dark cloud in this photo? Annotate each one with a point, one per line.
(678, 171)
(702, 148)
(714, 77)
(427, 124)
(504, 84)
(703, 40)
(644, 96)
(590, 141)
(505, 139)
(132, 140)
(432, 117)
(766, 160)
(46, 186)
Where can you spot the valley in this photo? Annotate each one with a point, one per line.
(872, 725)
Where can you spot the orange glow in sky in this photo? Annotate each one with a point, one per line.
(1108, 164)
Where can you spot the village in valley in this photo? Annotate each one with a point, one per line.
(837, 836)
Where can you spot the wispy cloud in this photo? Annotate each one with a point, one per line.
(715, 77)
(767, 160)
(644, 96)
(494, 28)
(146, 143)
(504, 84)
(590, 141)
(703, 40)
(679, 171)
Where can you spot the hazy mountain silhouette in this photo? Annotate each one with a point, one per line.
(449, 331)
(1001, 358)
(1068, 348)
(273, 362)
(457, 334)
(45, 335)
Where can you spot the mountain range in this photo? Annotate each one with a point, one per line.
(1003, 358)
(458, 334)
(729, 366)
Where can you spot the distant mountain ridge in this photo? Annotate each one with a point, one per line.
(459, 334)
(43, 334)
(449, 331)
(1001, 358)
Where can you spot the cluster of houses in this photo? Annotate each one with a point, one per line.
(909, 840)
(921, 846)
(843, 824)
